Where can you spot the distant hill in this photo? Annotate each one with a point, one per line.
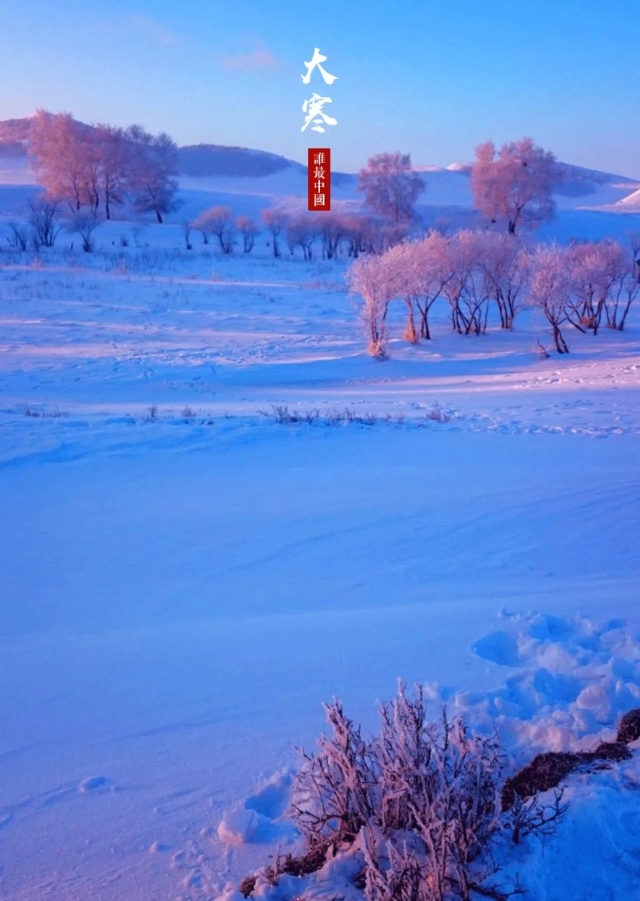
(195, 160)
(14, 137)
(199, 160)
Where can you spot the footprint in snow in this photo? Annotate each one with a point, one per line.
(95, 783)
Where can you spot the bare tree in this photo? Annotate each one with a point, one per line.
(391, 187)
(625, 289)
(275, 220)
(187, 228)
(84, 224)
(43, 218)
(514, 185)
(18, 235)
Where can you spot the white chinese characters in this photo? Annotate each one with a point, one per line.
(313, 107)
(316, 59)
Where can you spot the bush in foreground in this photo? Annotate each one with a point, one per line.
(420, 805)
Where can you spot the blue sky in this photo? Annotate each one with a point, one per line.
(431, 78)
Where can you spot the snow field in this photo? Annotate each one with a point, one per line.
(182, 589)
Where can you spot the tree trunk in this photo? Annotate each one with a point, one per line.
(623, 318)
(561, 345)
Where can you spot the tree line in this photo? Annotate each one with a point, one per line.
(585, 285)
(326, 235)
(97, 167)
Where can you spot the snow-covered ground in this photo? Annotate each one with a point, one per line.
(184, 580)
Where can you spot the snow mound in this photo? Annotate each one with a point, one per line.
(94, 784)
(572, 680)
(630, 203)
(260, 819)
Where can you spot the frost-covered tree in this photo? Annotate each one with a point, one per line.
(330, 228)
(505, 262)
(114, 162)
(358, 231)
(63, 156)
(152, 171)
(88, 165)
(375, 282)
(219, 222)
(468, 288)
(514, 185)
(433, 274)
(421, 274)
(302, 231)
(390, 186)
(550, 289)
(249, 230)
(595, 268)
(275, 220)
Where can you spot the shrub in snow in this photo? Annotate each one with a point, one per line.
(334, 792)
(43, 219)
(18, 235)
(84, 224)
(422, 802)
